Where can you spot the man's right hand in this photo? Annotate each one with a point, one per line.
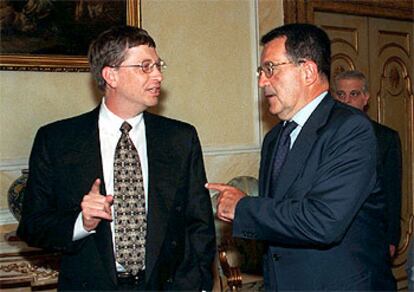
(95, 207)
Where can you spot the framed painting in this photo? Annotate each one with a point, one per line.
(44, 35)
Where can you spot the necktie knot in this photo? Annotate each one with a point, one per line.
(125, 128)
(289, 127)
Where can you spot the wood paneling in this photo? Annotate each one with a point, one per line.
(375, 37)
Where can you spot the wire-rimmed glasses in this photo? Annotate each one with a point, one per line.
(146, 66)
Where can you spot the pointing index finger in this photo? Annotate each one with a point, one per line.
(217, 186)
(95, 186)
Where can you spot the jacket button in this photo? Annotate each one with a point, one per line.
(173, 243)
(275, 257)
(169, 280)
(178, 208)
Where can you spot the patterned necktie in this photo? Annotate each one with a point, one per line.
(129, 204)
(282, 150)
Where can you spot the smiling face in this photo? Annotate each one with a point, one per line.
(285, 89)
(131, 91)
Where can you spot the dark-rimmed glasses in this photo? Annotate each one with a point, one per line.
(146, 66)
(268, 68)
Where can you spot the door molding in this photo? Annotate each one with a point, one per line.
(304, 10)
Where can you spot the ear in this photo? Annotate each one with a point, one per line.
(310, 71)
(365, 97)
(110, 75)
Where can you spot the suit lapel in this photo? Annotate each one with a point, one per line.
(87, 151)
(298, 155)
(161, 187)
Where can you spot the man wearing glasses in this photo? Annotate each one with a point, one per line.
(119, 191)
(319, 210)
(351, 87)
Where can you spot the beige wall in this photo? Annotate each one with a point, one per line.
(211, 48)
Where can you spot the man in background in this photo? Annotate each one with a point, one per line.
(120, 191)
(351, 87)
(319, 208)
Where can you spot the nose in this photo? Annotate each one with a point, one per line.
(346, 98)
(263, 80)
(157, 74)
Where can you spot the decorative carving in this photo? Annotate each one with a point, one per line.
(340, 63)
(394, 77)
(36, 272)
(394, 81)
(333, 31)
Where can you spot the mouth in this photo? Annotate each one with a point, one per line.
(269, 94)
(156, 90)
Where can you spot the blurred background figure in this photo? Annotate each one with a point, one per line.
(351, 87)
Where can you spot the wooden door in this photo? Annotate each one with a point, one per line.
(392, 72)
(382, 50)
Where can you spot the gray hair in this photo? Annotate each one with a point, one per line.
(353, 74)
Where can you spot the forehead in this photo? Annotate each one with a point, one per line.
(141, 52)
(274, 50)
(349, 84)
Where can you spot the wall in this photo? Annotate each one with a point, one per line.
(211, 48)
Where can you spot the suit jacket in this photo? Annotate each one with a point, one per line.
(389, 168)
(180, 244)
(324, 221)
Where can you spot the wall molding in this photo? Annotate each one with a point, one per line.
(13, 164)
(231, 150)
(22, 163)
(6, 217)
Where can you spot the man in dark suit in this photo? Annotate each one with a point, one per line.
(320, 211)
(72, 205)
(351, 87)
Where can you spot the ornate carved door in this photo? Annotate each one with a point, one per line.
(382, 50)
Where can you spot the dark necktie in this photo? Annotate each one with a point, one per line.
(129, 205)
(282, 150)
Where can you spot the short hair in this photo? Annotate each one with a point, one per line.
(110, 47)
(304, 41)
(353, 74)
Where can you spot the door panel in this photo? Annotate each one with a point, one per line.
(382, 50)
(348, 40)
(392, 67)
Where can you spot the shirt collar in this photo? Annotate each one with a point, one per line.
(112, 123)
(303, 115)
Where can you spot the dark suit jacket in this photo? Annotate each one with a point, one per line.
(180, 244)
(389, 168)
(324, 223)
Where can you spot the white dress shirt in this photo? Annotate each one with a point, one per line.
(109, 133)
(303, 115)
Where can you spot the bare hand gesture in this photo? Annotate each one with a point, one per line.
(227, 200)
(95, 207)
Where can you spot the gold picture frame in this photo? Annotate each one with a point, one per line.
(59, 61)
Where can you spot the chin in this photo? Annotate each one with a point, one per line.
(274, 111)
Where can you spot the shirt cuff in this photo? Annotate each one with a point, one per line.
(79, 231)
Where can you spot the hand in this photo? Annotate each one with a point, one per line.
(95, 207)
(228, 198)
(392, 250)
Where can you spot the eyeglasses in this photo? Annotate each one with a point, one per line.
(146, 66)
(268, 68)
(341, 95)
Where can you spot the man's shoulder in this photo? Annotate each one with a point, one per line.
(167, 123)
(383, 129)
(73, 121)
(334, 115)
